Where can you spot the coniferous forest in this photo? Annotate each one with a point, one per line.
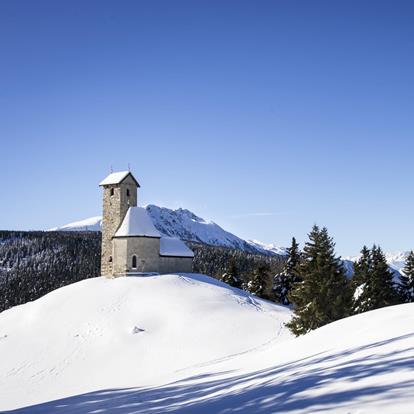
(33, 264)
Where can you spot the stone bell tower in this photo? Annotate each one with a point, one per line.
(119, 193)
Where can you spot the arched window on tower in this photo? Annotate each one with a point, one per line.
(127, 192)
(112, 192)
(134, 261)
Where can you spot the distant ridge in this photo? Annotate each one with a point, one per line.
(187, 226)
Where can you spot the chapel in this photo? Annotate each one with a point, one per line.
(131, 244)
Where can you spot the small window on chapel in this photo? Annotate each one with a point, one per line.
(127, 192)
(112, 192)
(134, 261)
(110, 259)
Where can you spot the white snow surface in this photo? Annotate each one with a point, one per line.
(268, 247)
(171, 246)
(185, 225)
(89, 224)
(137, 223)
(126, 332)
(115, 178)
(189, 344)
(397, 260)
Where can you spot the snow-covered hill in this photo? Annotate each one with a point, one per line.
(100, 333)
(187, 226)
(189, 344)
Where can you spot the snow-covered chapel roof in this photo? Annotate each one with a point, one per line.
(170, 246)
(137, 222)
(117, 178)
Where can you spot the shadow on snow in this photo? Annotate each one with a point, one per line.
(284, 388)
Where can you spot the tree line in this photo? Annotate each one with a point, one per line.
(314, 283)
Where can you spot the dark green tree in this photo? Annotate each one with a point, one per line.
(323, 296)
(231, 277)
(378, 290)
(406, 287)
(258, 284)
(284, 281)
(362, 273)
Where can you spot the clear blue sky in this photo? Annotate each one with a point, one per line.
(264, 116)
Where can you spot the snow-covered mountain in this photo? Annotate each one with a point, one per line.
(89, 224)
(191, 344)
(266, 248)
(397, 260)
(187, 226)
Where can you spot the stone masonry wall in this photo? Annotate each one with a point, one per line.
(170, 264)
(146, 249)
(114, 209)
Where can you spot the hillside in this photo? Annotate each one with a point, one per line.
(100, 333)
(185, 225)
(189, 344)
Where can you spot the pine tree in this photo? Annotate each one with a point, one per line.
(258, 285)
(284, 281)
(378, 290)
(406, 287)
(231, 277)
(323, 296)
(362, 272)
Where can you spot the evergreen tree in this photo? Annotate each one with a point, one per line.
(284, 281)
(231, 277)
(258, 285)
(362, 272)
(323, 296)
(407, 280)
(378, 290)
(362, 268)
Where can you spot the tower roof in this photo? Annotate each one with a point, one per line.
(117, 178)
(137, 222)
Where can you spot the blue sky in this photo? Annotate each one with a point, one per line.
(266, 117)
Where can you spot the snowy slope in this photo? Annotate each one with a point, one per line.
(101, 333)
(185, 225)
(89, 224)
(223, 363)
(265, 248)
(397, 260)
